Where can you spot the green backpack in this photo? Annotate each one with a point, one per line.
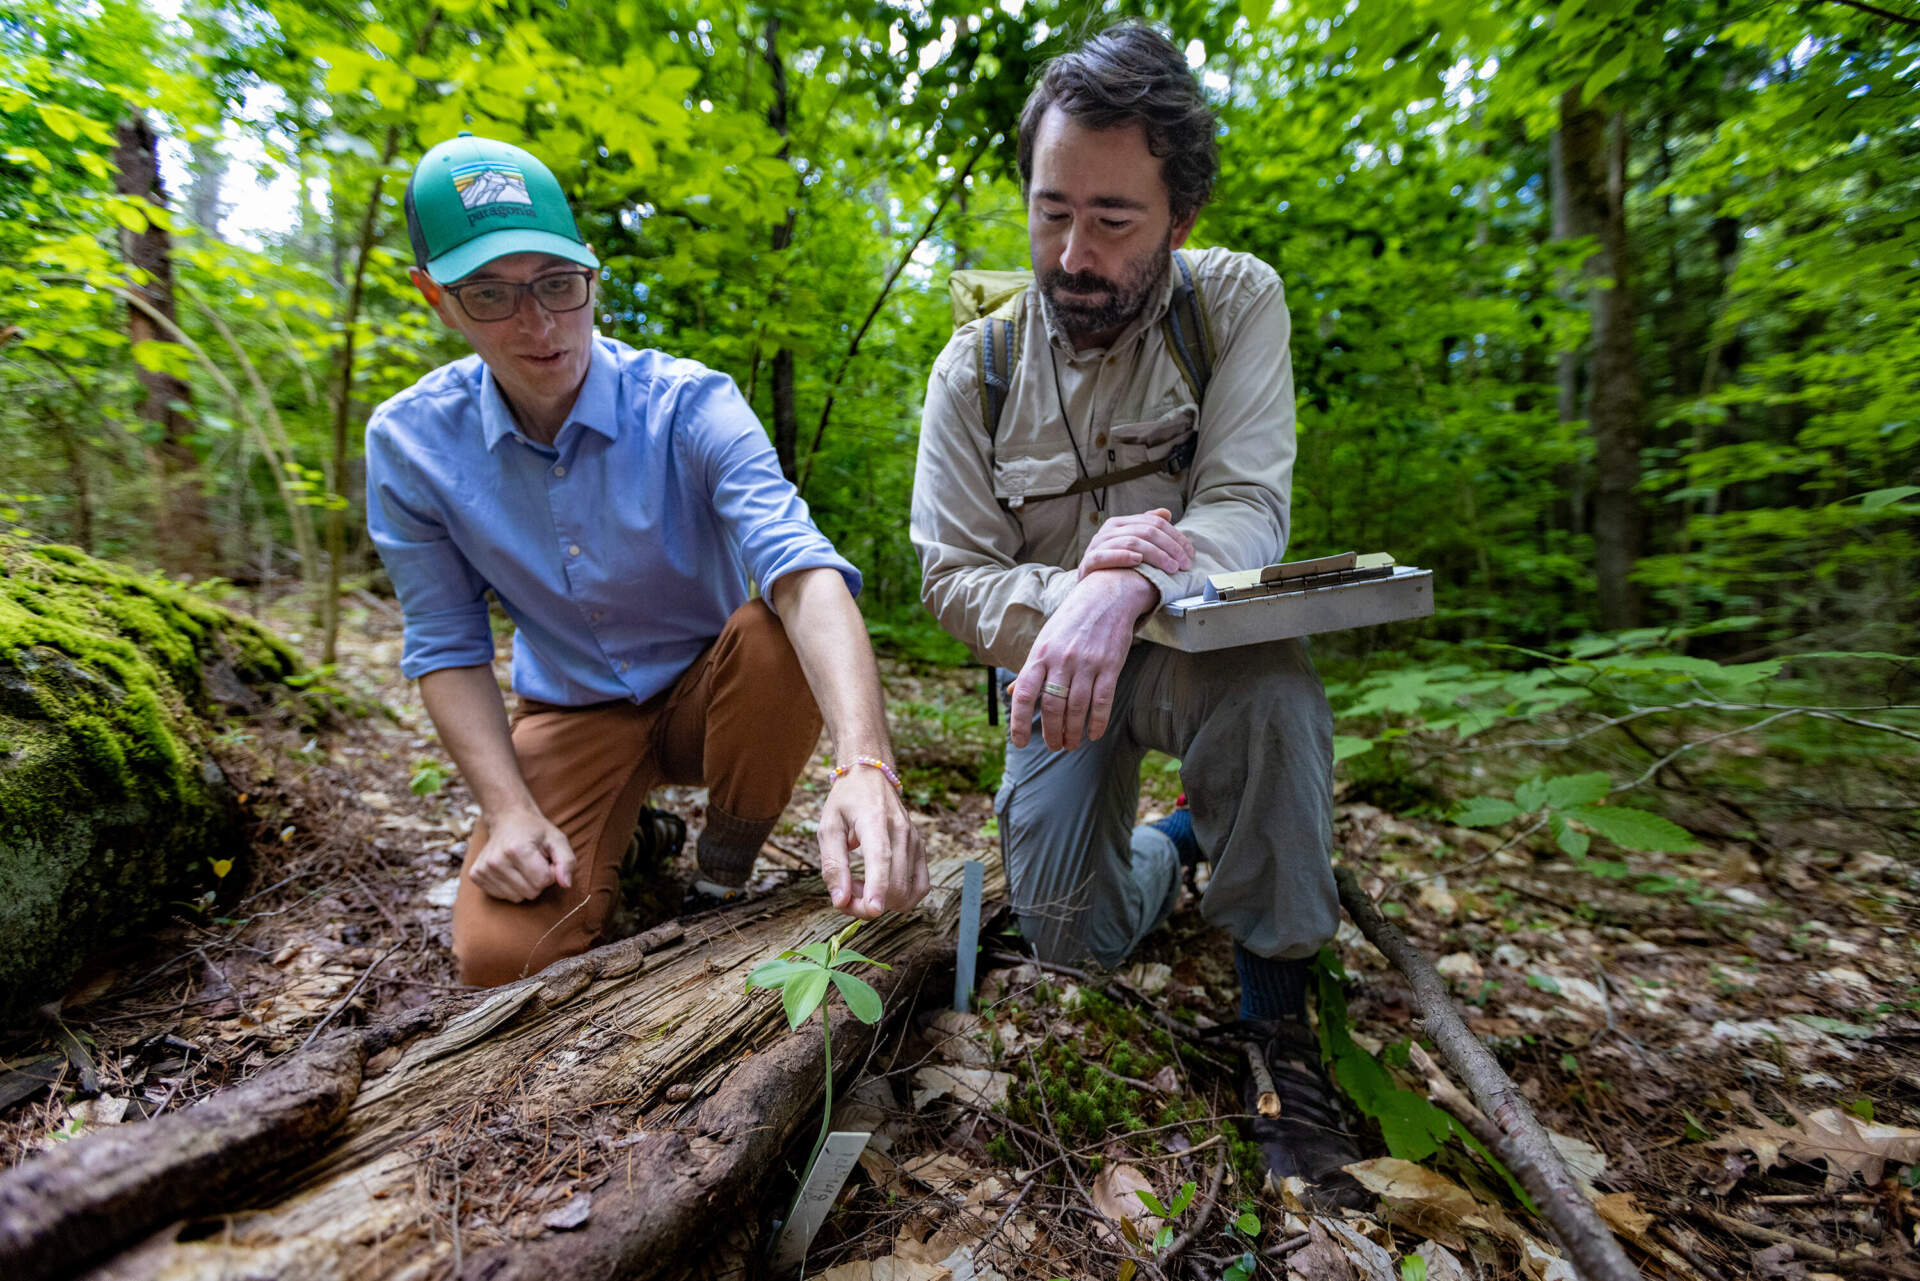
(1001, 297)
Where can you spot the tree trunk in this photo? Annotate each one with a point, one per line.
(472, 1116)
(184, 528)
(1590, 200)
(338, 504)
(786, 415)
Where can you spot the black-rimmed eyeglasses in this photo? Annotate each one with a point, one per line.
(485, 300)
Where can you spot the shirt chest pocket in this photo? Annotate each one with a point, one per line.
(1164, 446)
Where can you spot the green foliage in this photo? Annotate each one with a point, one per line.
(1413, 1128)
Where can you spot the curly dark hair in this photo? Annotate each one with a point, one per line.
(1132, 73)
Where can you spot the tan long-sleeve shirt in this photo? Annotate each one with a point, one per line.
(998, 544)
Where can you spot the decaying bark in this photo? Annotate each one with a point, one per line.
(370, 1181)
(1521, 1141)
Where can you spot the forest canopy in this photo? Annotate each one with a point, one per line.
(1605, 311)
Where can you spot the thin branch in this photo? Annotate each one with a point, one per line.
(1912, 24)
(853, 348)
(1594, 1252)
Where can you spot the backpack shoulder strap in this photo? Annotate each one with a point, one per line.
(1189, 331)
(999, 353)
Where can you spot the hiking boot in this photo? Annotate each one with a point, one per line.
(1308, 1139)
(658, 836)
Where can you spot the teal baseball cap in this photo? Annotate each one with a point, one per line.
(472, 200)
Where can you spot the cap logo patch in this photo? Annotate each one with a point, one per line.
(491, 189)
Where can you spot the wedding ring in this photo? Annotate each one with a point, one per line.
(1054, 688)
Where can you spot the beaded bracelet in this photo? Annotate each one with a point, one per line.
(841, 771)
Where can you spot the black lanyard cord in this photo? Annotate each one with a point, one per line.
(1099, 495)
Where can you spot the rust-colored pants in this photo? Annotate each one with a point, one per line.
(741, 720)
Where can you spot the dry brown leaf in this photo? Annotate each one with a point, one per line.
(940, 1171)
(1441, 1265)
(890, 1268)
(976, 1086)
(960, 1038)
(1622, 1215)
(1320, 1259)
(1846, 1144)
(1115, 1192)
(1370, 1261)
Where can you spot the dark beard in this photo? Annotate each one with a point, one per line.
(1123, 301)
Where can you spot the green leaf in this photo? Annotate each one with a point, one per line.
(816, 952)
(777, 973)
(1569, 790)
(1530, 795)
(1545, 982)
(1633, 829)
(1612, 70)
(1152, 1202)
(1248, 1224)
(1182, 1199)
(848, 954)
(1878, 498)
(1346, 746)
(1484, 811)
(861, 998)
(1163, 1238)
(1413, 1268)
(803, 994)
(1241, 1269)
(1573, 842)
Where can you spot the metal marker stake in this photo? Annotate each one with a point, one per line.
(972, 877)
(838, 1155)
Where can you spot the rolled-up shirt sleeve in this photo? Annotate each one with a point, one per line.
(971, 577)
(441, 595)
(762, 512)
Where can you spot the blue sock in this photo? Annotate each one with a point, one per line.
(1270, 989)
(1179, 829)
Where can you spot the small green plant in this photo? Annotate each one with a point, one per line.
(802, 976)
(429, 776)
(1166, 1213)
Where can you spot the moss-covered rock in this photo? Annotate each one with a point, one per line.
(112, 807)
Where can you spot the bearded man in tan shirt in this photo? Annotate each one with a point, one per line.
(1116, 477)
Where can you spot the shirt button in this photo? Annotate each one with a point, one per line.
(559, 469)
(623, 664)
(1093, 518)
(1101, 440)
(573, 549)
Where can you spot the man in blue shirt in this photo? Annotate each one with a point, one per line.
(618, 503)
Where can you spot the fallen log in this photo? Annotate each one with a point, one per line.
(1519, 1138)
(637, 1087)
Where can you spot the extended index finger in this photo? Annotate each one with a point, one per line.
(835, 867)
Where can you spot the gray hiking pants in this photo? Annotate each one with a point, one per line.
(1254, 737)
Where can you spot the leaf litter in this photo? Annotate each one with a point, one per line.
(1742, 1050)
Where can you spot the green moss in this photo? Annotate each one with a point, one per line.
(117, 656)
(110, 805)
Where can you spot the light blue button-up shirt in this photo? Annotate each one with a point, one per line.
(619, 551)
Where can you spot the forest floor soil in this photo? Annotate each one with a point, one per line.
(1729, 1046)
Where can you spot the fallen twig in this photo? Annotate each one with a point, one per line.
(1591, 1248)
(1773, 1236)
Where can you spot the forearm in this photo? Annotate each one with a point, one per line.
(830, 639)
(471, 717)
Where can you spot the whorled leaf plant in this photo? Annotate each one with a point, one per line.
(803, 976)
